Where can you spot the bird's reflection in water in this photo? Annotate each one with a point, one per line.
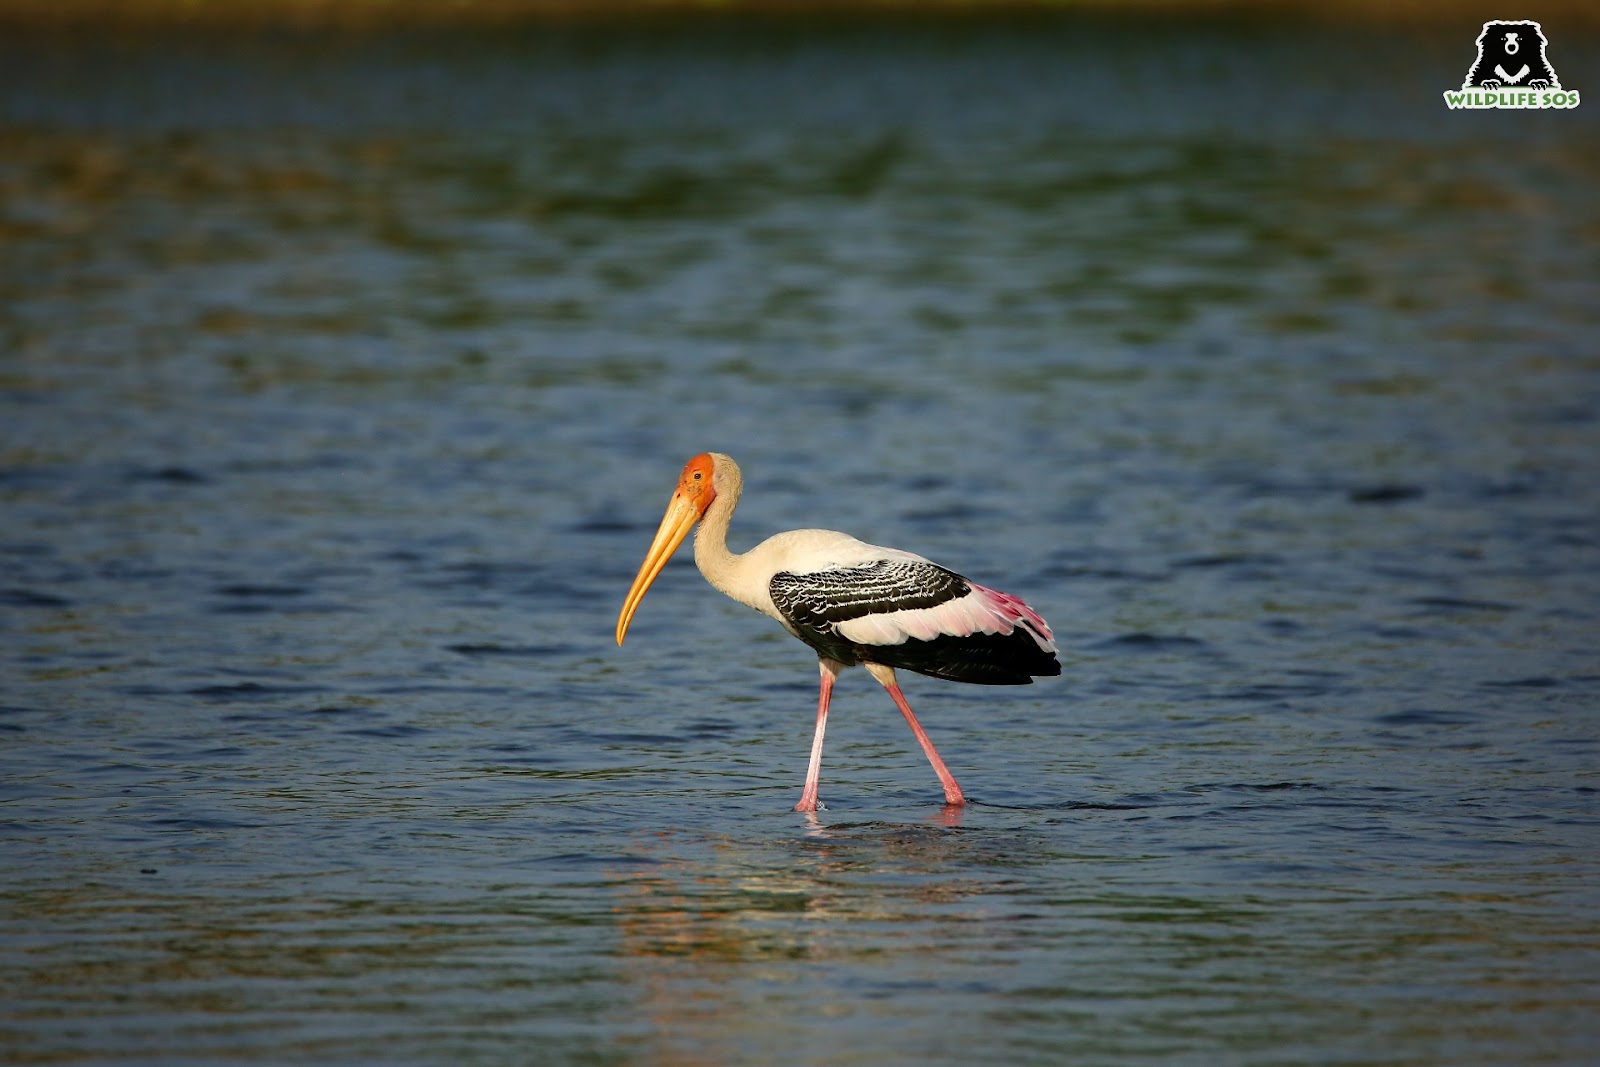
(714, 937)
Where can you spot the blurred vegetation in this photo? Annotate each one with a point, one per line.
(380, 13)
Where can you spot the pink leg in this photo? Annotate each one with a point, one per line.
(808, 798)
(885, 677)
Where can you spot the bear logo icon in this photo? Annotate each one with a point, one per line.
(1511, 55)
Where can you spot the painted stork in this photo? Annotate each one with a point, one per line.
(853, 603)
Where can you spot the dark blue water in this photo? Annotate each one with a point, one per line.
(343, 380)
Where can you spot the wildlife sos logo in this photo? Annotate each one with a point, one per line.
(1512, 71)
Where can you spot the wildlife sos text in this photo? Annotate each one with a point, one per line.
(1519, 98)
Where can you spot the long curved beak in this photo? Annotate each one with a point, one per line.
(682, 514)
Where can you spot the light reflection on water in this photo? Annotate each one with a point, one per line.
(333, 430)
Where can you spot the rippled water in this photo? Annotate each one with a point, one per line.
(343, 381)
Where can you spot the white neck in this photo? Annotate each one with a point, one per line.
(721, 567)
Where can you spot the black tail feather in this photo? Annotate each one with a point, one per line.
(984, 659)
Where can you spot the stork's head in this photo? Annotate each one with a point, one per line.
(695, 493)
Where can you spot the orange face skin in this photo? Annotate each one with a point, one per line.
(694, 484)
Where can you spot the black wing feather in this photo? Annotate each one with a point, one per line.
(816, 603)
(829, 597)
